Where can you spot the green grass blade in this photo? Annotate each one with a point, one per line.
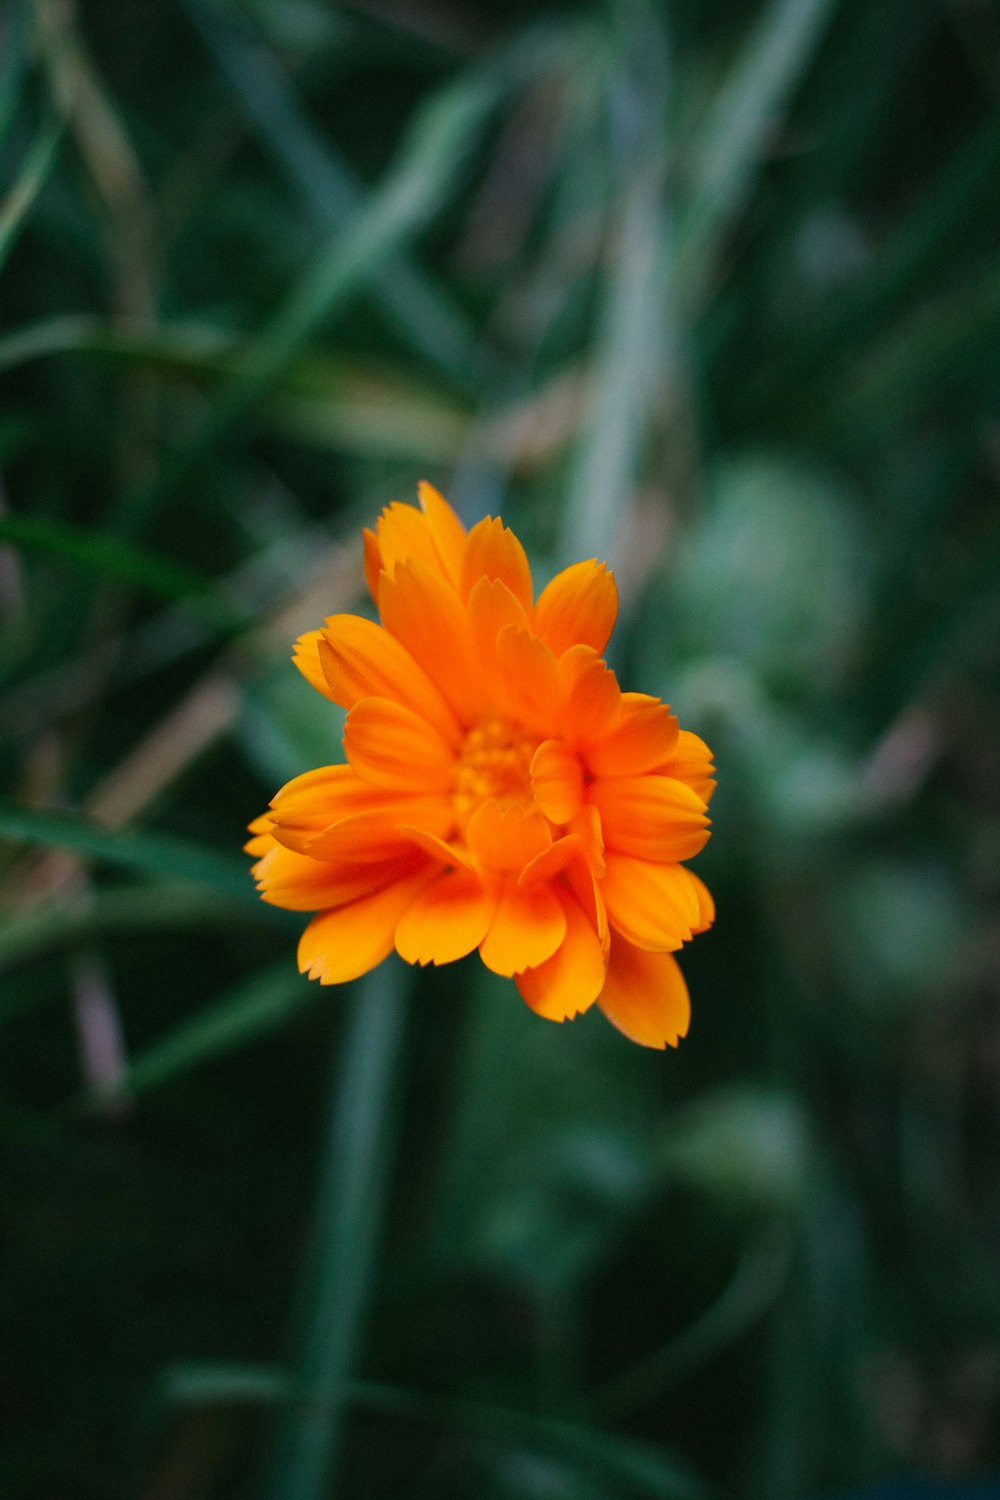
(155, 853)
(114, 557)
(320, 401)
(248, 1011)
(625, 378)
(944, 343)
(13, 61)
(51, 336)
(727, 158)
(610, 1458)
(103, 554)
(202, 1384)
(351, 1201)
(433, 325)
(631, 1467)
(18, 202)
(64, 923)
(429, 163)
(633, 341)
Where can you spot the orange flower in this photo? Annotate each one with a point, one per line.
(501, 792)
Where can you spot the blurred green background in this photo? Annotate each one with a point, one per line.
(710, 291)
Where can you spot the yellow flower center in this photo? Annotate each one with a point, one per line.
(493, 762)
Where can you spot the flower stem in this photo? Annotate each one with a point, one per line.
(350, 1208)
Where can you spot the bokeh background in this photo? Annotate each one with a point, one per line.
(710, 291)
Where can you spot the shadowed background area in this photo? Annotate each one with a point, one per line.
(709, 292)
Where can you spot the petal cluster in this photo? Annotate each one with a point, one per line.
(500, 791)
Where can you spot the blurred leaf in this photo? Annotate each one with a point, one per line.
(546, 1150)
(635, 1468)
(743, 117)
(946, 343)
(154, 852)
(249, 1010)
(639, 1467)
(63, 922)
(748, 1148)
(200, 1384)
(319, 400)
(750, 1294)
(436, 147)
(419, 307)
(902, 927)
(287, 727)
(774, 575)
(17, 202)
(633, 347)
(338, 1272)
(835, 334)
(13, 61)
(103, 553)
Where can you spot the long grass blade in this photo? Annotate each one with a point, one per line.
(351, 1204)
(104, 554)
(13, 62)
(155, 853)
(633, 1468)
(429, 162)
(322, 401)
(727, 157)
(248, 1011)
(18, 202)
(633, 342)
(420, 309)
(62, 924)
(611, 1459)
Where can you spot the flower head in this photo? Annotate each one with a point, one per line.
(501, 792)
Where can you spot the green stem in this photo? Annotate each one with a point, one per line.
(338, 1274)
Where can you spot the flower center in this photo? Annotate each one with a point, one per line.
(494, 762)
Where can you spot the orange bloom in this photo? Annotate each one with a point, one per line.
(501, 792)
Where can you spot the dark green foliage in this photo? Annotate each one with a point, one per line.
(710, 291)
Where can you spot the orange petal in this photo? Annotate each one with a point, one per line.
(644, 737)
(361, 660)
(557, 780)
(652, 817)
(427, 616)
(527, 928)
(390, 746)
(447, 531)
(553, 860)
(579, 607)
(571, 980)
(587, 827)
(654, 906)
(373, 562)
(349, 940)
(446, 851)
(406, 535)
(594, 697)
(298, 883)
(491, 607)
(532, 684)
(506, 837)
(587, 889)
(705, 903)
(305, 655)
(448, 918)
(645, 996)
(379, 834)
(308, 804)
(263, 837)
(691, 762)
(493, 551)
